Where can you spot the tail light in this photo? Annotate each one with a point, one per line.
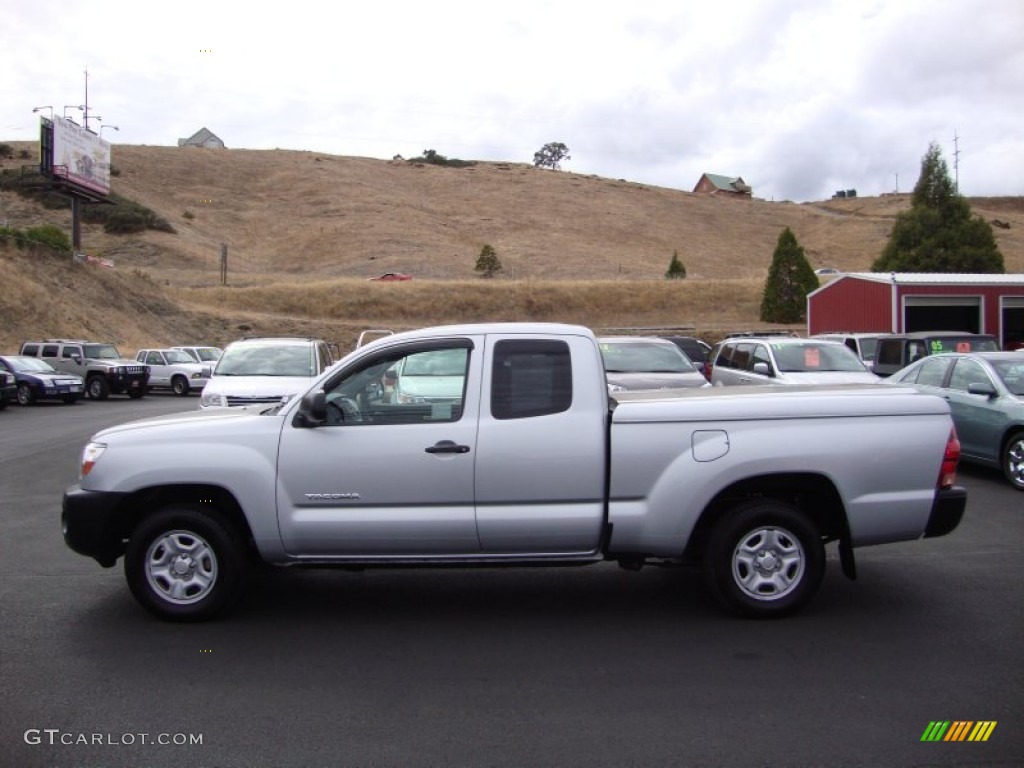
(949, 461)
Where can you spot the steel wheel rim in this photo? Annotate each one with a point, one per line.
(1015, 461)
(181, 567)
(768, 563)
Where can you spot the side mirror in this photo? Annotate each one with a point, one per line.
(981, 388)
(312, 410)
(762, 368)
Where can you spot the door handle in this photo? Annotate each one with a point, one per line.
(447, 446)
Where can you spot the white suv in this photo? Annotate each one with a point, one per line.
(786, 360)
(265, 371)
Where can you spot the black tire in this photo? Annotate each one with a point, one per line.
(26, 395)
(182, 564)
(97, 388)
(70, 399)
(180, 385)
(135, 394)
(764, 559)
(1013, 460)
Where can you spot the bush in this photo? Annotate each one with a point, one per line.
(50, 236)
(12, 235)
(6, 150)
(125, 221)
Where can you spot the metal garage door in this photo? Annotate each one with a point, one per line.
(942, 313)
(1012, 325)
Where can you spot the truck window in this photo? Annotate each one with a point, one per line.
(530, 378)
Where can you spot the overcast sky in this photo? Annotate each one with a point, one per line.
(798, 97)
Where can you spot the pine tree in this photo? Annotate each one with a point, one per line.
(938, 233)
(790, 279)
(487, 262)
(676, 270)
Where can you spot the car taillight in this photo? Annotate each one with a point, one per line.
(949, 461)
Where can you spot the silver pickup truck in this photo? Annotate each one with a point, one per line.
(514, 453)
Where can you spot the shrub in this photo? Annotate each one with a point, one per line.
(124, 221)
(50, 236)
(12, 235)
(6, 150)
(676, 270)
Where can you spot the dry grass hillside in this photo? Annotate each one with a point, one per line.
(305, 230)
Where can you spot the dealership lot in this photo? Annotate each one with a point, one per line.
(562, 667)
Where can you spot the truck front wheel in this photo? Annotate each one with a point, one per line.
(765, 559)
(181, 564)
(97, 388)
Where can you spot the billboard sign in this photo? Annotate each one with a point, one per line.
(80, 157)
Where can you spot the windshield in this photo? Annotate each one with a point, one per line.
(815, 358)
(1012, 374)
(644, 357)
(268, 360)
(27, 364)
(101, 352)
(208, 354)
(177, 356)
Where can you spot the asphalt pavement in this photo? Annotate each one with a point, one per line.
(591, 666)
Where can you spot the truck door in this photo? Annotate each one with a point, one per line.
(540, 451)
(388, 474)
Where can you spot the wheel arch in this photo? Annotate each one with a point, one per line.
(814, 495)
(218, 501)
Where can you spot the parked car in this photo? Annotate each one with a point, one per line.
(202, 354)
(985, 391)
(36, 379)
(864, 345)
(264, 370)
(644, 363)
(695, 349)
(99, 363)
(896, 351)
(8, 389)
(174, 369)
(786, 360)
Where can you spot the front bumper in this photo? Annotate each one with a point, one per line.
(947, 511)
(92, 524)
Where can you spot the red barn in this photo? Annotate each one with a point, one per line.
(907, 302)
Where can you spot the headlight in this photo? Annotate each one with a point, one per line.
(211, 400)
(90, 455)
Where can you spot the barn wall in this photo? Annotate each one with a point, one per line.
(850, 304)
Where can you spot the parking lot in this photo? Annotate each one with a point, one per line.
(590, 666)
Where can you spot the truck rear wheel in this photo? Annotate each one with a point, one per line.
(765, 559)
(181, 564)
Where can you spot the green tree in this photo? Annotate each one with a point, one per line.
(938, 233)
(676, 270)
(790, 279)
(551, 155)
(487, 262)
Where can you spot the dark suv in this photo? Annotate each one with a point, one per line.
(897, 351)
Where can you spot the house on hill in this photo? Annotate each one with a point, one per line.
(714, 184)
(204, 137)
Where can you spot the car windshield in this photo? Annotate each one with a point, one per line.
(1012, 374)
(177, 356)
(30, 364)
(644, 357)
(208, 354)
(101, 352)
(267, 360)
(815, 358)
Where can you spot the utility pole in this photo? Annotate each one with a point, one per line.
(956, 163)
(223, 263)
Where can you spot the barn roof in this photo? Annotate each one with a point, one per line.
(938, 278)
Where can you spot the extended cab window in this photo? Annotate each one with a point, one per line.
(404, 386)
(530, 378)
